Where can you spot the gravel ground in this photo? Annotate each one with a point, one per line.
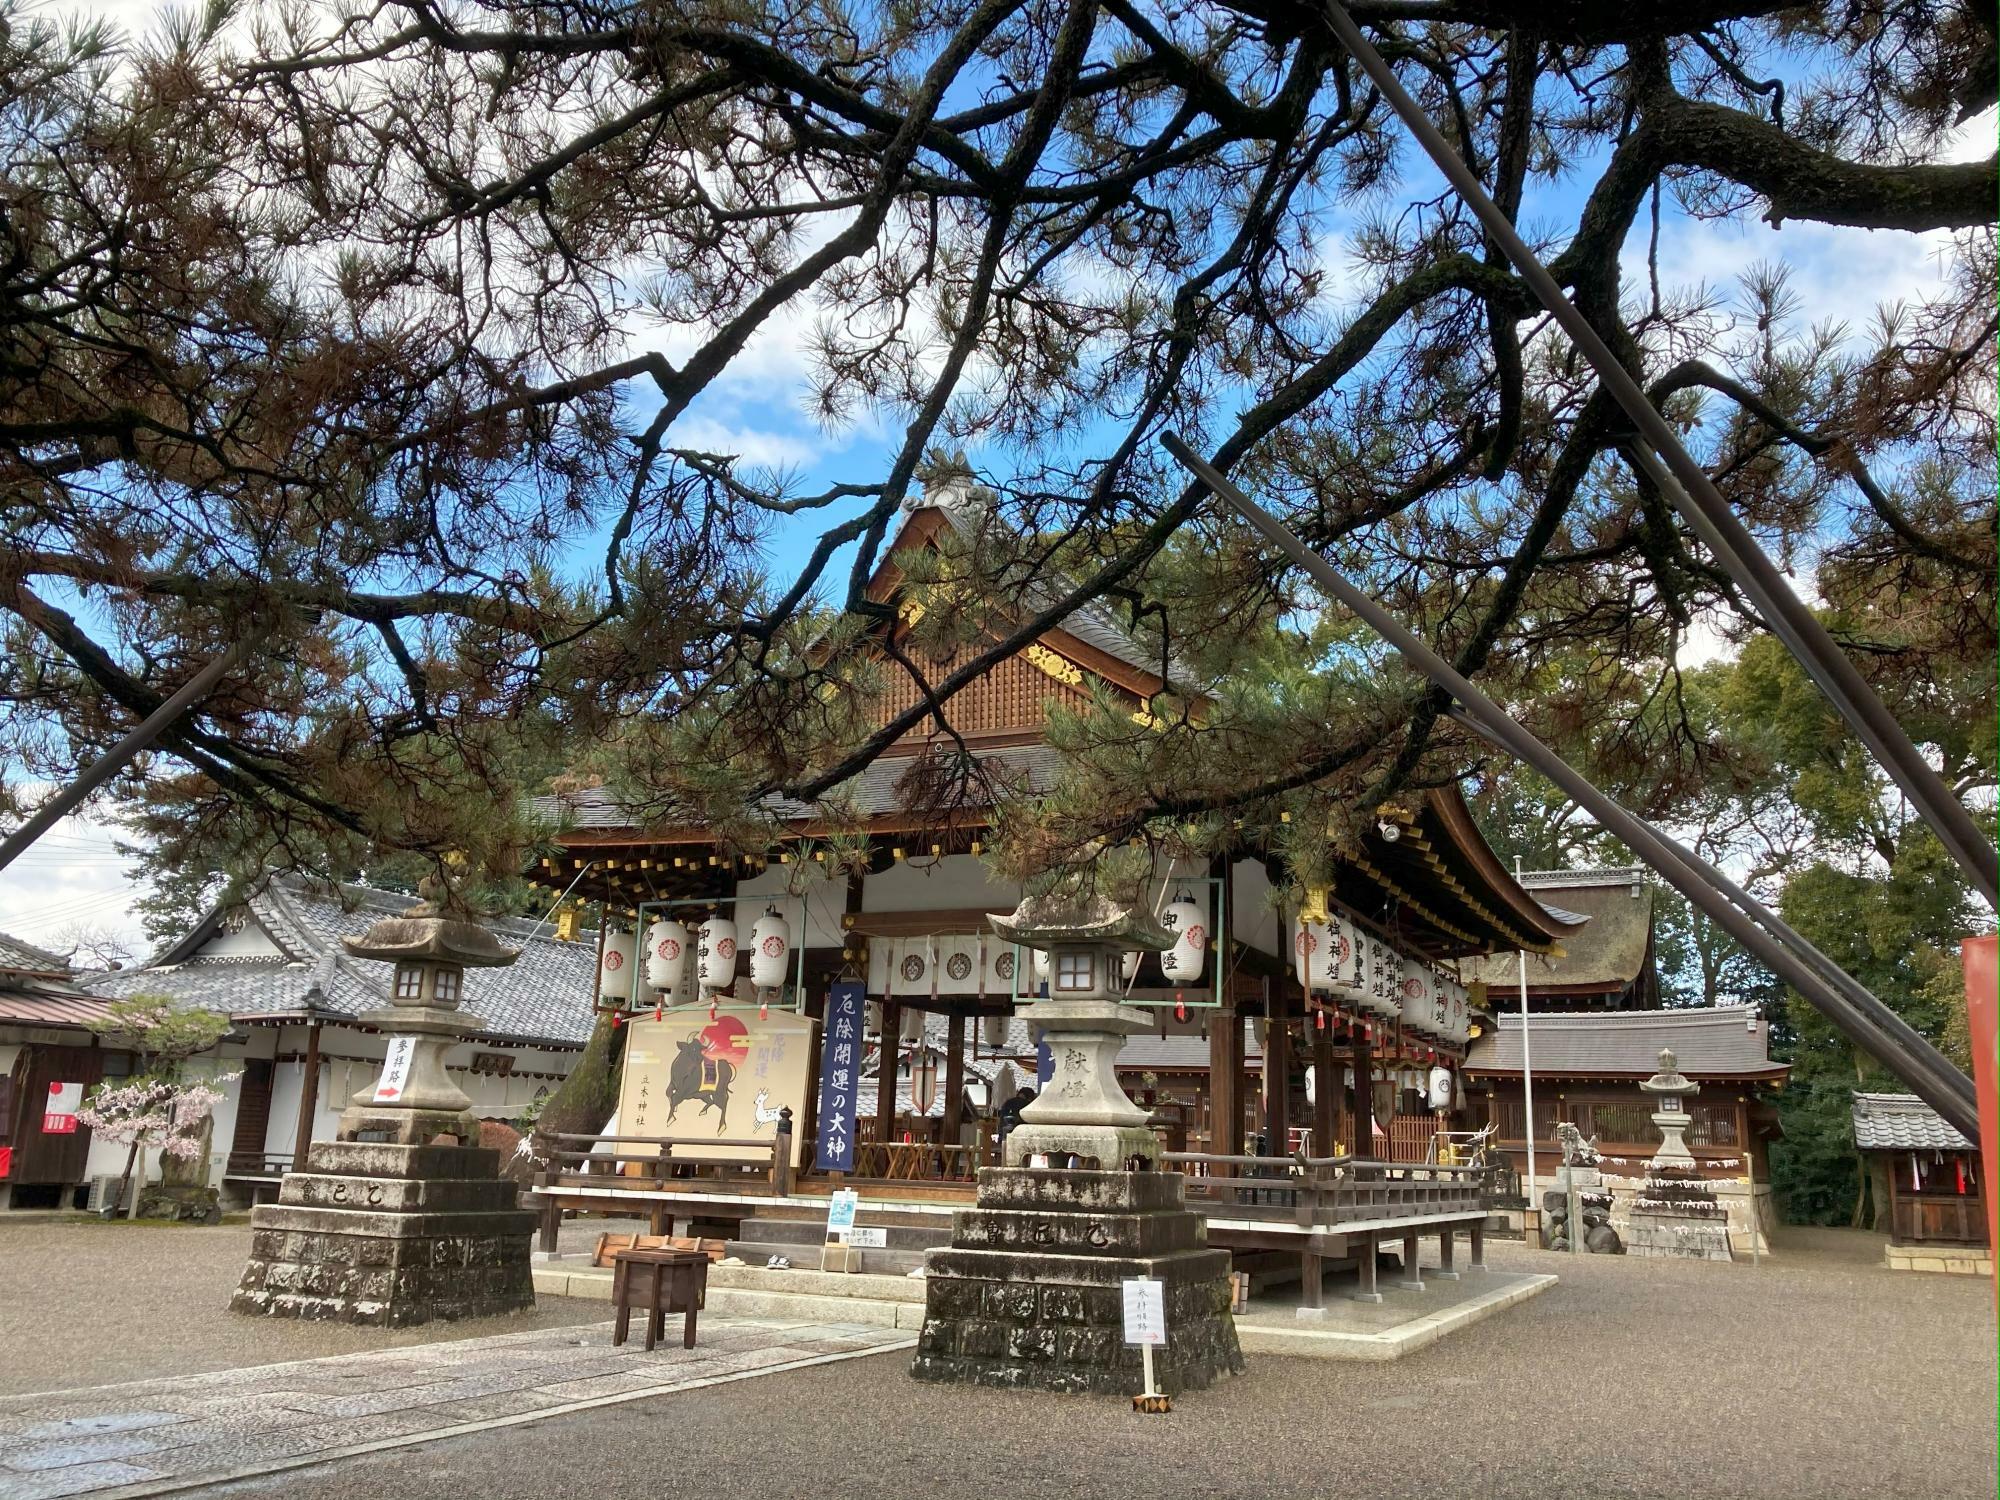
(97, 1303)
(1819, 1375)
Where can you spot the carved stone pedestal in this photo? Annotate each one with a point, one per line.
(1030, 1294)
(392, 1235)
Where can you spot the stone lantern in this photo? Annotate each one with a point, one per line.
(383, 1225)
(1083, 1112)
(1671, 1091)
(414, 1102)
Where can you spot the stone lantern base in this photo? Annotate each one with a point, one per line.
(1030, 1294)
(390, 1234)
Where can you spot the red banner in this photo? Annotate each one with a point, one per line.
(1982, 968)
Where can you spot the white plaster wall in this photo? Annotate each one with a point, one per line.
(820, 896)
(927, 884)
(1253, 920)
(252, 941)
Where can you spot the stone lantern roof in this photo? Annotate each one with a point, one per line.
(1669, 1080)
(1043, 921)
(432, 932)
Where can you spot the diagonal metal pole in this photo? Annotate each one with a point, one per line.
(1862, 1018)
(1701, 504)
(114, 760)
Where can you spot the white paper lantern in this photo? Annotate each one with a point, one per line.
(1440, 1088)
(615, 975)
(1347, 955)
(1385, 981)
(718, 954)
(667, 944)
(993, 1031)
(1188, 923)
(1128, 965)
(913, 1023)
(1419, 997)
(1313, 955)
(770, 950)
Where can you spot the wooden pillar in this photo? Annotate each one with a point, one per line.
(308, 1098)
(1225, 1075)
(885, 1070)
(1364, 1267)
(1413, 1276)
(1478, 1234)
(1312, 1285)
(1326, 1089)
(954, 1077)
(1445, 1271)
(1364, 1101)
(809, 1106)
(1277, 1068)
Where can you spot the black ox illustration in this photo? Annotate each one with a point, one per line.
(700, 1078)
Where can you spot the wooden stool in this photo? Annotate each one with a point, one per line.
(661, 1281)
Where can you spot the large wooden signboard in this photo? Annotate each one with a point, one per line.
(691, 1079)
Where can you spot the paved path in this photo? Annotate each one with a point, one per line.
(1819, 1376)
(158, 1436)
(91, 1303)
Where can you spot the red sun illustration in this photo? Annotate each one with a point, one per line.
(727, 1040)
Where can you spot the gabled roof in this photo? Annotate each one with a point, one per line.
(17, 957)
(1608, 953)
(544, 996)
(1720, 1042)
(1902, 1122)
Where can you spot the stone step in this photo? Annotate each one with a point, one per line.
(891, 1262)
(763, 1230)
(805, 1298)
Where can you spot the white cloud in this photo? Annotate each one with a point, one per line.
(753, 445)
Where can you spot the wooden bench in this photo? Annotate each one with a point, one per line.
(646, 1193)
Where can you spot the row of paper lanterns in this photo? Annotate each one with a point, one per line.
(709, 951)
(1344, 963)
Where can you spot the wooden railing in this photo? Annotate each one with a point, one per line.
(1327, 1190)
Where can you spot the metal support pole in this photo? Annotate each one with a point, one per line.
(1528, 1098)
(114, 760)
(1873, 1027)
(1700, 503)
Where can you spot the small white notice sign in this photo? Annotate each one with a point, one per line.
(396, 1070)
(868, 1237)
(840, 1213)
(1145, 1312)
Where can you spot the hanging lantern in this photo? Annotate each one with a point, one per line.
(1440, 1088)
(1128, 966)
(913, 1023)
(993, 1031)
(1419, 991)
(718, 954)
(1345, 965)
(1385, 980)
(1189, 925)
(871, 1018)
(770, 950)
(1312, 954)
(667, 944)
(614, 967)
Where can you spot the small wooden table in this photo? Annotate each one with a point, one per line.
(660, 1281)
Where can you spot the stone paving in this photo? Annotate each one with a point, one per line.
(156, 1436)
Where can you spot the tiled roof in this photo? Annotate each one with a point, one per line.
(26, 958)
(1608, 952)
(1723, 1042)
(544, 996)
(1902, 1122)
(871, 792)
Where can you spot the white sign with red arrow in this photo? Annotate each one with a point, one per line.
(396, 1069)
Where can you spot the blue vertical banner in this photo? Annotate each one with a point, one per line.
(839, 1076)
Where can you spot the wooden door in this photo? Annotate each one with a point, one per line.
(253, 1109)
(40, 1156)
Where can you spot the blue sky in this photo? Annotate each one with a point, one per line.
(760, 409)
